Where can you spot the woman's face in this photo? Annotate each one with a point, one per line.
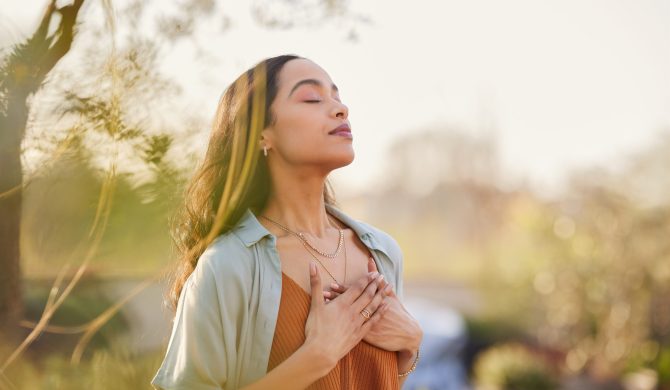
(307, 107)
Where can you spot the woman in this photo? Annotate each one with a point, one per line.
(262, 300)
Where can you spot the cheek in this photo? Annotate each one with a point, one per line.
(303, 129)
(303, 121)
(298, 141)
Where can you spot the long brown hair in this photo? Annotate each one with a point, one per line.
(233, 176)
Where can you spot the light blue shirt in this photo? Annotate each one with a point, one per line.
(227, 310)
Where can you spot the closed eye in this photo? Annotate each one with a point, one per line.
(312, 101)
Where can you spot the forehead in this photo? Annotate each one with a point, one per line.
(300, 69)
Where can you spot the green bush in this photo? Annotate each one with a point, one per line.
(114, 368)
(86, 301)
(662, 366)
(512, 366)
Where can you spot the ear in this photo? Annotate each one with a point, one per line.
(265, 138)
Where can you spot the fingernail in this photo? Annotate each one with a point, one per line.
(334, 285)
(388, 288)
(326, 293)
(381, 278)
(312, 269)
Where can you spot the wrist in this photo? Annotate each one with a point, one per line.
(407, 362)
(319, 361)
(407, 355)
(406, 358)
(412, 345)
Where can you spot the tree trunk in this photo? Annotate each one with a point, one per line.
(22, 75)
(11, 133)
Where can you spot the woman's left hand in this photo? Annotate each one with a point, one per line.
(397, 330)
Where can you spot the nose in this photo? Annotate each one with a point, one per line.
(341, 110)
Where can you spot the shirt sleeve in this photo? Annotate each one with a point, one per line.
(196, 352)
(399, 277)
(397, 258)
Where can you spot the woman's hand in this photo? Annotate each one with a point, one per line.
(334, 328)
(397, 330)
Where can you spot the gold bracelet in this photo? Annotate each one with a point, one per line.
(416, 360)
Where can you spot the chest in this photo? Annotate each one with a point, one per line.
(350, 264)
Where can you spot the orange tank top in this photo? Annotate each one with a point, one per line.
(364, 367)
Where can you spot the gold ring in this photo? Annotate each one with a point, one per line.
(366, 313)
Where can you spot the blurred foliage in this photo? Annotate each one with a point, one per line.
(102, 114)
(136, 239)
(662, 366)
(112, 368)
(86, 302)
(107, 127)
(585, 271)
(512, 367)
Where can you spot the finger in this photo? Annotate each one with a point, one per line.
(372, 267)
(315, 285)
(334, 295)
(366, 296)
(355, 291)
(330, 295)
(376, 316)
(376, 302)
(382, 308)
(381, 283)
(388, 290)
(340, 289)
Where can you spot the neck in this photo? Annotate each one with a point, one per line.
(297, 202)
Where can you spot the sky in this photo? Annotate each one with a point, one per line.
(566, 84)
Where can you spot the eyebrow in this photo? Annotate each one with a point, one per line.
(312, 82)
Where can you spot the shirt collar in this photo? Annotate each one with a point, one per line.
(250, 230)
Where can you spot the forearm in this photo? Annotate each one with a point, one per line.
(298, 371)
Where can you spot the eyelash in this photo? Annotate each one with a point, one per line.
(312, 101)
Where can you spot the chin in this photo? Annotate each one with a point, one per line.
(341, 160)
(348, 158)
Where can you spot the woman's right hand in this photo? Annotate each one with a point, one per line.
(334, 328)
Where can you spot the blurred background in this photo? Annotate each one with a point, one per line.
(518, 151)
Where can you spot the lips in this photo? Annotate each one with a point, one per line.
(343, 128)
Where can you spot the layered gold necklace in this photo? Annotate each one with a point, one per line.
(306, 243)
